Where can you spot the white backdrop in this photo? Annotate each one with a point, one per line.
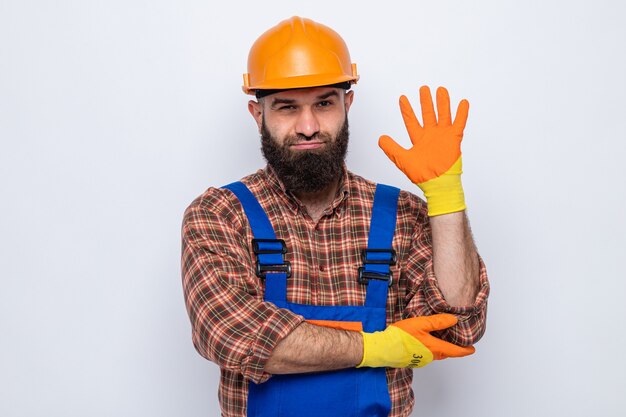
(115, 114)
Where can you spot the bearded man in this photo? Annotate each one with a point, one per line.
(313, 289)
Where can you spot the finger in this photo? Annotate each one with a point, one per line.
(443, 107)
(420, 324)
(428, 111)
(462, 111)
(391, 149)
(410, 120)
(442, 349)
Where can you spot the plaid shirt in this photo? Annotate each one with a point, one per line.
(234, 327)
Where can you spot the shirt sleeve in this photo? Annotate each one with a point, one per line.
(231, 324)
(424, 296)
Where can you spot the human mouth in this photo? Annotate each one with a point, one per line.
(307, 145)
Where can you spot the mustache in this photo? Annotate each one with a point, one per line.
(299, 138)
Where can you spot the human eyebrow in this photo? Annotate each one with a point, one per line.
(328, 95)
(278, 101)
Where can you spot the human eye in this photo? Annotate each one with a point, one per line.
(325, 103)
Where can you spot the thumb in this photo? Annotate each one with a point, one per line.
(442, 349)
(391, 148)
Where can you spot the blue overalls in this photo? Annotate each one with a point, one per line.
(357, 392)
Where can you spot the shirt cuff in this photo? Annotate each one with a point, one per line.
(275, 328)
(438, 303)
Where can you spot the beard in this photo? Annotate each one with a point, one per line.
(306, 171)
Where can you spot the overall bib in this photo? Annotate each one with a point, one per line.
(357, 392)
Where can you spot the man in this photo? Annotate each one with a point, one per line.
(313, 289)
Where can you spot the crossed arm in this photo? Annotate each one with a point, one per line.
(235, 329)
(312, 348)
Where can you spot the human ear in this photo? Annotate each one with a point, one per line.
(256, 110)
(347, 99)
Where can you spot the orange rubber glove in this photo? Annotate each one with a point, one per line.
(409, 344)
(434, 162)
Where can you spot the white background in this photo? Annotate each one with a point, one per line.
(115, 114)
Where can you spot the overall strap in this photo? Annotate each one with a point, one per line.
(269, 251)
(379, 255)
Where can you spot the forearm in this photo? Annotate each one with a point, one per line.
(311, 348)
(455, 260)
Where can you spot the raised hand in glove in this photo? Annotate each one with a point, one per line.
(409, 344)
(434, 162)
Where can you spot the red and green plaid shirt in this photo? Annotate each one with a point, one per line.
(232, 325)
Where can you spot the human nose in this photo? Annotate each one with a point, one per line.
(307, 123)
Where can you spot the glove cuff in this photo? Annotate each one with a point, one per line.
(444, 194)
(366, 341)
(373, 350)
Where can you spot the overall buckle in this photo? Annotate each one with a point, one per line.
(365, 276)
(256, 247)
(391, 261)
(261, 270)
(265, 247)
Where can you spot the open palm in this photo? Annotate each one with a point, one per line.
(436, 144)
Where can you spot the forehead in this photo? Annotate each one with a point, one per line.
(305, 94)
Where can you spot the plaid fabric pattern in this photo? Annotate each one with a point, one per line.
(234, 328)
